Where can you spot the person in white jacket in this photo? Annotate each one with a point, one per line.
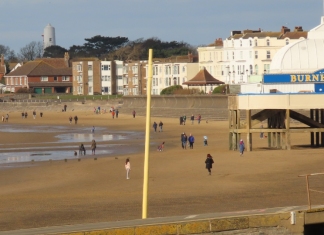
(127, 167)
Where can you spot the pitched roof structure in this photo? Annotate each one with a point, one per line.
(41, 68)
(202, 78)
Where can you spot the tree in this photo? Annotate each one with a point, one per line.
(31, 51)
(9, 55)
(54, 51)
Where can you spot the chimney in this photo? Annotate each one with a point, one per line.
(284, 29)
(219, 42)
(298, 29)
(190, 57)
(66, 59)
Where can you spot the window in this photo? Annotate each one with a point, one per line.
(232, 43)
(268, 55)
(105, 67)
(233, 55)
(55, 78)
(125, 69)
(90, 78)
(119, 77)
(176, 69)
(90, 89)
(268, 42)
(255, 54)
(79, 78)
(65, 78)
(256, 69)
(287, 41)
(241, 54)
(250, 41)
(266, 68)
(240, 43)
(120, 88)
(134, 69)
(183, 69)
(44, 79)
(50, 39)
(21, 81)
(250, 54)
(79, 68)
(256, 43)
(90, 67)
(251, 69)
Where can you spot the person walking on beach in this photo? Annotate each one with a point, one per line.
(184, 119)
(70, 119)
(127, 167)
(184, 140)
(117, 112)
(134, 113)
(41, 114)
(241, 147)
(26, 114)
(22, 115)
(192, 118)
(65, 106)
(161, 126)
(76, 119)
(191, 140)
(93, 129)
(82, 150)
(113, 114)
(209, 163)
(93, 147)
(7, 117)
(199, 118)
(34, 114)
(154, 126)
(3, 118)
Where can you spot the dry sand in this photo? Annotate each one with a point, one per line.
(58, 193)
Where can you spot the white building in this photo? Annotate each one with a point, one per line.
(49, 36)
(246, 56)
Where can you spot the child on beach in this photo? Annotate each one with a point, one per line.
(161, 147)
(127, 167)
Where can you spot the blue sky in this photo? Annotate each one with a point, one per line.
(197, 22)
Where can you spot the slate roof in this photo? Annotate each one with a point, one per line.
(40, 68)
(203, 77)
(55, 62)
(294, 35)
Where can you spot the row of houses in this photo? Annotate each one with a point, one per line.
(243, 57)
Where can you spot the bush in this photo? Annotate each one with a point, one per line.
(25, 90)
(220, 89)
(171, 90)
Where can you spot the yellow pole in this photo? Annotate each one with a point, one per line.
(147, 133)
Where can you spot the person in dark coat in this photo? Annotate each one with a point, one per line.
(209, 163)
(82, 150)
(76, 119)
(154, 126)
(184, 140)
(161, 126)
(117, 112)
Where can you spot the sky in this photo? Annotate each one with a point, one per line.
(196, 22)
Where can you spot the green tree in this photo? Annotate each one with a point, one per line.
(54, 51)
(170, 90)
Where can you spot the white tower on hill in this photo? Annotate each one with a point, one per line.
(49, 36)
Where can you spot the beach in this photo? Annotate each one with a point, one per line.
(95, 189)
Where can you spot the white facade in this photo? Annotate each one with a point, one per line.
(119, 76)
(170, 74)
(242, 55)
(106, 77)
(49, 36)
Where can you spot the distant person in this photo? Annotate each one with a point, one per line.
(191, 140)
(184, 140)
(113, 114)
(241, 147)
(22, 115)
(82, 150)
(205, 141)
(199, 118)
(7, 117)
(154, 126)
(127, 167)
(26, 114)
(76, 119)
(3, 118)
(134, 113)
(209, 163)
(161, 147)
(161, 126)
(192, 118)
(184, 119)
(117, 112)
(93, 147)
(93, 129)
(34, 114)
(70, 119)
(75, 153)
(181, 120)
(41, 114)
(65, 106)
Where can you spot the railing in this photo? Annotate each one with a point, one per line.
(310, 190)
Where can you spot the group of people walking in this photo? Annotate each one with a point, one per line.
(82, 150)
(185, 140)
(155, 125)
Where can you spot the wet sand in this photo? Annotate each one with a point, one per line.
(37, 194)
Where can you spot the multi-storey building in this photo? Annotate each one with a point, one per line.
(86, 76)
(134, 78)
(246, 56)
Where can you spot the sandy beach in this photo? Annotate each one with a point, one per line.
(50, 193)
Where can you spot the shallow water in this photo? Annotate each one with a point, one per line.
(77, 135)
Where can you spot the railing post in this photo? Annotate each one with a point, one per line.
(308, 195)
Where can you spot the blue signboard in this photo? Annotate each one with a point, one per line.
(316, 77)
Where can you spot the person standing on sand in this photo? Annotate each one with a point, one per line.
(209, 163)
(184, 119)
(22, 115)
(192, 118)
(70, 119)
(191, 140)
(127, 167)
(93, 147)
(161, 126)
(113, 114)
(26, 114)
(34, 114)
(134, 113)
(241, 147)
(184, 140)
(117, 112)
(199, 118)
(7, 117)
(154, 126)
(65, 106)
(76, 119)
